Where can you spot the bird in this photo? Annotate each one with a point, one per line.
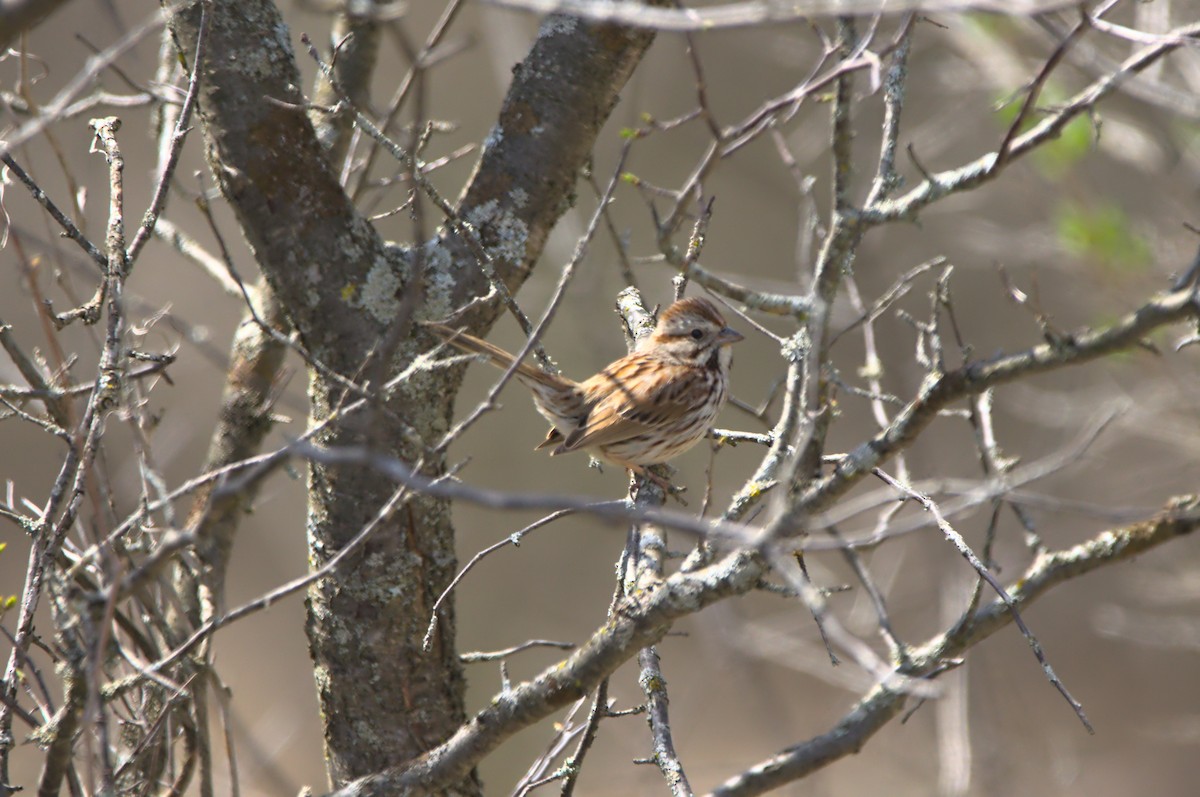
(645, 408)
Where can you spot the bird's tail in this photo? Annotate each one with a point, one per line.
(497, 356)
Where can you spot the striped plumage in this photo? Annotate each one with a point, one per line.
(644, 408)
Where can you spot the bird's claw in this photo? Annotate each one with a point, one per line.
(661, 482)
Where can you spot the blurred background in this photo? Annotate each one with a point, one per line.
(1089, 226)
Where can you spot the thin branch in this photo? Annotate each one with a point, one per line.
(68, 226)
(747, 13)
(654, 685)
(1035, 89)
(513, 539)
(980, 170)
(461, 226)
(1180, 517)
(58, 107)
(496, 655)
(168, 232)
(965, 551)
(533, 342)
(267, 600)
(159, 202)
(574, 764)
(939, 390)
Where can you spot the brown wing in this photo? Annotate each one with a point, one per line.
(634, 395)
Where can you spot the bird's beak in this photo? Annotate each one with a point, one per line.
(728, 335)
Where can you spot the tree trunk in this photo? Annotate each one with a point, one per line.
(384, 700)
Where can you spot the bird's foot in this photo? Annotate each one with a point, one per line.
(661, 480)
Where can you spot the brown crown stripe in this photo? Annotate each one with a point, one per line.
(697, 305)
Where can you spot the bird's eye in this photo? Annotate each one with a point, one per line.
(697, 334)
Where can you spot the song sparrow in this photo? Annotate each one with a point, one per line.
(646, 407)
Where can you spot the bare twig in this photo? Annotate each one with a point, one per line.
(1180, 517)
(941, 389)
(68, 226)
(513, 539)
(960, 544)
(496, 655)
(58, 107)
(654, 685)
(749, 13)
(159, 202)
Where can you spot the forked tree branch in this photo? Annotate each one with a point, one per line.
(940, 390)
(1180, 517)
(646, 619)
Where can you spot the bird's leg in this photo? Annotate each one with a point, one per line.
(663, 482)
